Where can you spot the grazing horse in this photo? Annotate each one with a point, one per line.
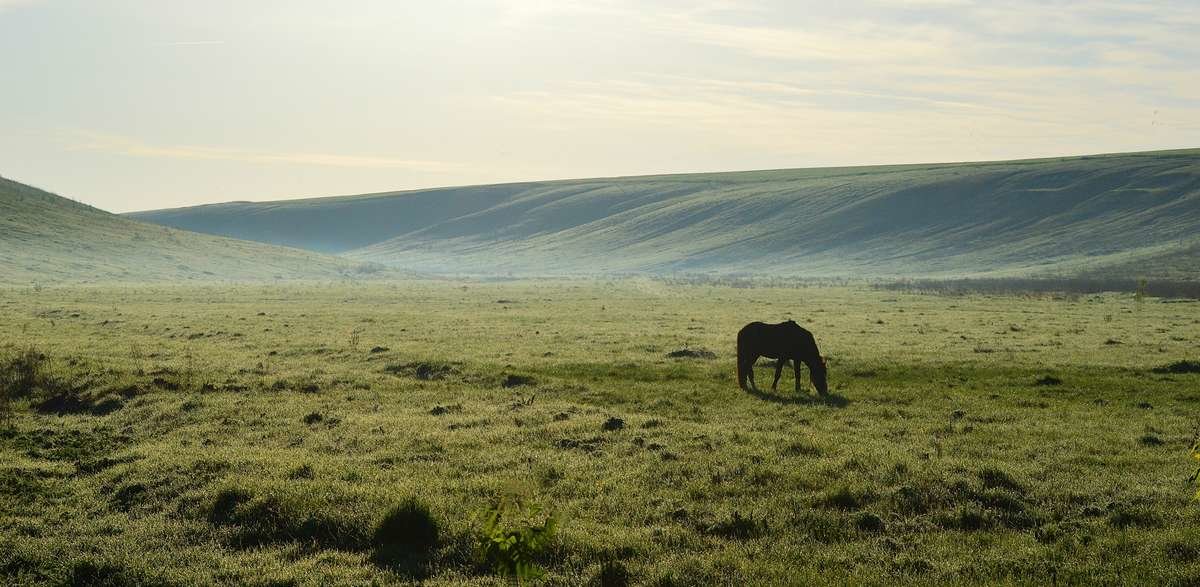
(786, 341)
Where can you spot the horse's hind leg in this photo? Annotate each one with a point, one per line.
(778, 371)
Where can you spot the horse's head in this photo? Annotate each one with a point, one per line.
(818, 371)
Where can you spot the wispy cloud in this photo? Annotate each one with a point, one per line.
(83, 140)
(6, 4)
(198, 42)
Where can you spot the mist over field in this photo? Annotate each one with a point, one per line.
(599, 293)
(1100, 215)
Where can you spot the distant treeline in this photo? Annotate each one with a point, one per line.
(1066, 285)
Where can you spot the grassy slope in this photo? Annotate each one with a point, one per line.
(1050, 215)
(941, 460)
(47, 238)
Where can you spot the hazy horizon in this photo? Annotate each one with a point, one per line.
(137, 105)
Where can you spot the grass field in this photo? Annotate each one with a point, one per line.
(297, 435)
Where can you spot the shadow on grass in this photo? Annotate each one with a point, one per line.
(833, 400)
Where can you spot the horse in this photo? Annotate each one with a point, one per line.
(786, 341)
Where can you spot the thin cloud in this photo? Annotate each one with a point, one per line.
(6, 4)
(190, 43)
(122, 145)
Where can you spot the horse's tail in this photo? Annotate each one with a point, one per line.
(741, 376)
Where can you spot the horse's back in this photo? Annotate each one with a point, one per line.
(773, 340)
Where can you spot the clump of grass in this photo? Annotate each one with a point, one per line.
(846, 498)
(282, 515)
(969, 518)
(406, 537)
(442, 410)
(612, 574)
(1179, 367)
(613, 424)
(737, 527)
(304, 471)
(512, 380)
(869, 522)
(423, 371)
(802, 448)
(1126, 515)
(692, 354)
(1150, 439)
(994, 477)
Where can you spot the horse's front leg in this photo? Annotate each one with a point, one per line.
(748, 370)
(778, 371)
(796, 367)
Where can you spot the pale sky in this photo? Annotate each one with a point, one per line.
(140, 104)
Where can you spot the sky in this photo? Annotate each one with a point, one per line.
(143, 104)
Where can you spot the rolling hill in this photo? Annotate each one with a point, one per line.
(1133, 212)
(46, 238)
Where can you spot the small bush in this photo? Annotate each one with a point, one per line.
(511, 540)
(406, 536)
(1196, 456)
(21, 373)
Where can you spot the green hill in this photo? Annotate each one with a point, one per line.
(47, 238)
(1094, 214)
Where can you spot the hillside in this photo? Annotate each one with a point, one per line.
(46, 238)
(1123, 212)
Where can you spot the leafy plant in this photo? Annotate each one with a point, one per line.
(511, 538)
(1196, 455)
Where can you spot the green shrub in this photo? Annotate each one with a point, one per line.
(511, 539)
(19, 375)
(1196, 456)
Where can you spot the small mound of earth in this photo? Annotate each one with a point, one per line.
(692, 354)
(1048, 380)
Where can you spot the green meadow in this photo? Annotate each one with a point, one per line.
(381, 433)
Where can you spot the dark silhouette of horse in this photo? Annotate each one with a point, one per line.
(786, 341)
